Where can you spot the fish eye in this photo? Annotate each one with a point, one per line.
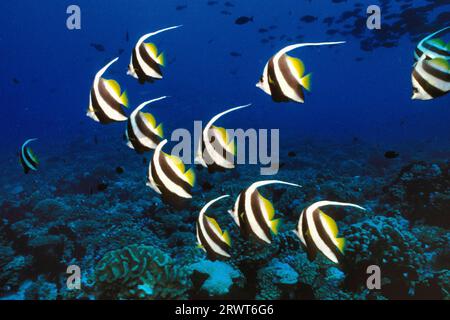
(415, 90)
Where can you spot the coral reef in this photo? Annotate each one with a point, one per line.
(140, 272)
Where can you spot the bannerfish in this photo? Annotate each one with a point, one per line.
(433, 47)
(319, 232)
(283, 76)
(216, 150)
(254, 214)
(143, 134)
(167, 176)
(28, 159)
(430, 78)
(106, 99)
(145, 64)
(210, 237)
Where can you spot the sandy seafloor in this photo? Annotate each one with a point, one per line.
(131, 246)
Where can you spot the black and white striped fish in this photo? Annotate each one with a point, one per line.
(216, 150)
(433, 47)
(284, 77)
(142, 133)
(210, 237)
(106, 99)
(167, 176)
(28, 159)
(146, 62)
(319, 232)
(430, 78)
(254, 214)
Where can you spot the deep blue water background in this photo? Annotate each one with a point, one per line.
(368, 99)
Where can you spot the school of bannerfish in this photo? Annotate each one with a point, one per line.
(284, 79)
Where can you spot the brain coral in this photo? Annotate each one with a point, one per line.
(140, 272)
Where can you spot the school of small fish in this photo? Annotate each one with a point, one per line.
(284, 79)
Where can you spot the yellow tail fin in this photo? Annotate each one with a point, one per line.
(190, 175)
(341, 244)
(124, 99)
(226, 238)
(160, 130)
(275, 225)
(161, 59)
(306, 82)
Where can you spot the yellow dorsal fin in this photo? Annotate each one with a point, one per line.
(225, 137)
(226, 238)
(268, 207)
(190, 175)
(161, 59)
(149, 118)
(33, 156)
(215, 225)
(437, 42)
(298, 66)
(275, 226)
(153, 50)
(124, 99)
(341, 244)
(114, 86)
(177, 162)
(160, 130)
(306, 82)
(440, 63)
(330, 223)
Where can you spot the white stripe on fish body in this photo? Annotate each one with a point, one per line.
(29, 165)
(254, 226)
(143, 139)
(286, 89)
(264, 84)
(169, 184)
(129, 144)
(426, 52)
(300, 229)
(208, 146)
(216, 248)
(199, 242)
(147, 70)
(109, 112)
(151, 181)
(320, 244)
(91, 113)
(234, 212)
(435, 82)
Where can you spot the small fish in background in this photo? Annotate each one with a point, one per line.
(235, 54)
(229, 4)
(319, 232)
(181, 7)
(212, 2)
(283, 77)
(254, 214)
(102, 186)
(106, 99)
(15, 81)
(142, 133)
(308, 18)
(120, 51)
(391, 154)
(263, 30)
(226, 13)
(167, 176)
(433, 47)
(210, 237)
(146, 61)
(97, 46)
(430, 78)
(216, 151)
(292, 154)
(119, 170)
(243, 20)
(28, 159)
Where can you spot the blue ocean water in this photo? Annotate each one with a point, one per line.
(359, 108)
